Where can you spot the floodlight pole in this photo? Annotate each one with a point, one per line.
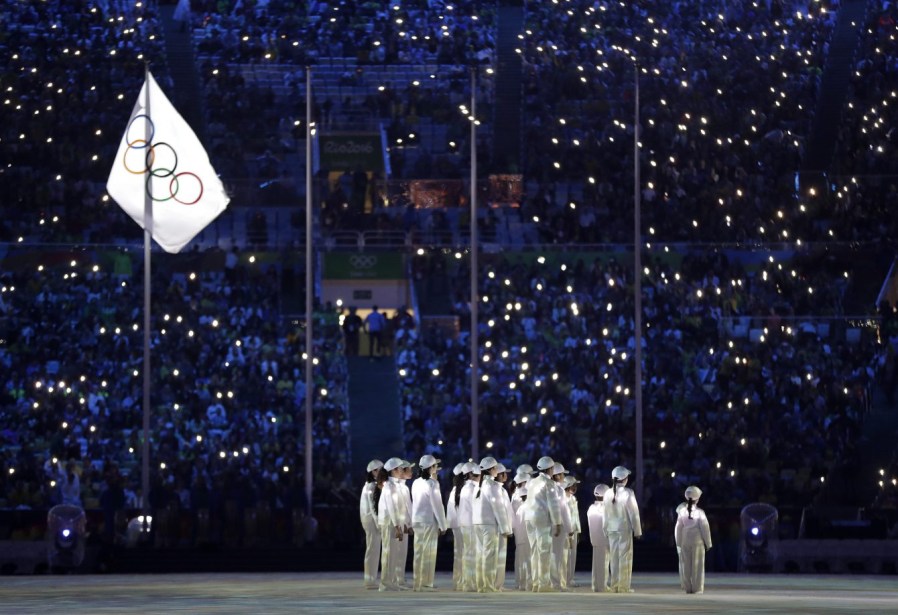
(637, 285)
(475, 371)
(309, 291)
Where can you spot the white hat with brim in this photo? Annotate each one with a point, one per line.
(521, 478)
(600, 490)
(525, 467)
(620, 473)
(501, 469)
(488, 463)
(457, 469)
(392, 463)
(693, 493)
(545, 463)
(558, 469)
(375, 464)
(428, 461)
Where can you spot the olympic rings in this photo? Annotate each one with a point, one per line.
(362, 261)
(158, 172)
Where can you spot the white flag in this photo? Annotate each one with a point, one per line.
(161, 158)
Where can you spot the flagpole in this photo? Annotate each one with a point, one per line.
(475, 368)
(637, 283)
(309, 291)
(147, 243)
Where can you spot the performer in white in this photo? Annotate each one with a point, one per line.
(428, 522)
(490, 522)
(368, 516)
(502, 561)
(466, 524)
(570, 490)
(392, 517)
(621, 525)
(458, 481)
(521, 541)
(693, 537)
(595, 518)
(559, 566)
(544, 521)
(407, 494)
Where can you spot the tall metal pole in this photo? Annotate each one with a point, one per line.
(147, 244)
(637, 282)
(475, 370)
(310, 393)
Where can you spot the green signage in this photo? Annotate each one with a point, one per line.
(346, 152)
(363, 266)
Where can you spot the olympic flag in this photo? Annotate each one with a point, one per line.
(161, 160)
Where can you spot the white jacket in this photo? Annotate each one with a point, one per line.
(391, 508)
(543, 506)
(489, 506)
(452, 511)
(623, 515)
(692, 532)
(466, 504)
(427, 503)
(366, 506)
(574, 509)
(595, 518)
(567, 525)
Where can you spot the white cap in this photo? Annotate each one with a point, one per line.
(569, 481)
(525, 468)
(458, 468)
(488, 463)
(469, 467)
(501, 469)
(620, 473)
(559, 469)
(521, 478)
(375, 464)
(600, 490)
(693, 493)
(545, 463)
(392, 463)
(407, 464)
(428, 461)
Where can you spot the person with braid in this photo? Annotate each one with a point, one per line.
(621, 525)
(458, 481)
(693, 537)
(471, 471)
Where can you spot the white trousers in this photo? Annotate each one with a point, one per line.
(540, 556)
(600, 568)
(522, 565)
(389, 558)
(620, 544)
(572, 559)
(372, 552)
(424, 560)
(558, 567)
(692, 574)
(403, 556)
(501, 562)
(469, 559)
(458, 554)
(487, 557)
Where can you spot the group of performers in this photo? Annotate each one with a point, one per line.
(537, 508)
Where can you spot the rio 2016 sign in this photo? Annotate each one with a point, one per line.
(340, 152)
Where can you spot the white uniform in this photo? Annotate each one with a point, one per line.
(428, 520)
(372, 533)
(502, 562)
(595, 517)
(492, 524)
(521, 543)
(457, 541)
(693, 538)
(469, 540)
(392, 513)
(559, 565)
(403, 546)
(621, 524)
(543, 514)
(574, 509)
